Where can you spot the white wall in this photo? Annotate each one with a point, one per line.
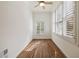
(2, 41)
(46, 18)
(15, 26)
(70, 50)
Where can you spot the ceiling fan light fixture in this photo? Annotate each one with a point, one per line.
(42, 4)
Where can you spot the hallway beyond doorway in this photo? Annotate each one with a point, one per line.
(41, 48)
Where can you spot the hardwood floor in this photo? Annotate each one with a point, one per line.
(41, 48)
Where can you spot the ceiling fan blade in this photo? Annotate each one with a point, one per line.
(37, 5)
(48, 3)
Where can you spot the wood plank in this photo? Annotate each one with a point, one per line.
(41, 48)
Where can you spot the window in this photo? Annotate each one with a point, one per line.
(40, 27)
(59, 20)
(69, 19)
(64, 21)
(53, 22)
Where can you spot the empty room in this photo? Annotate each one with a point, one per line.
(39, 29)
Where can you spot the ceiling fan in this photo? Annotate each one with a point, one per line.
(43, 4)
